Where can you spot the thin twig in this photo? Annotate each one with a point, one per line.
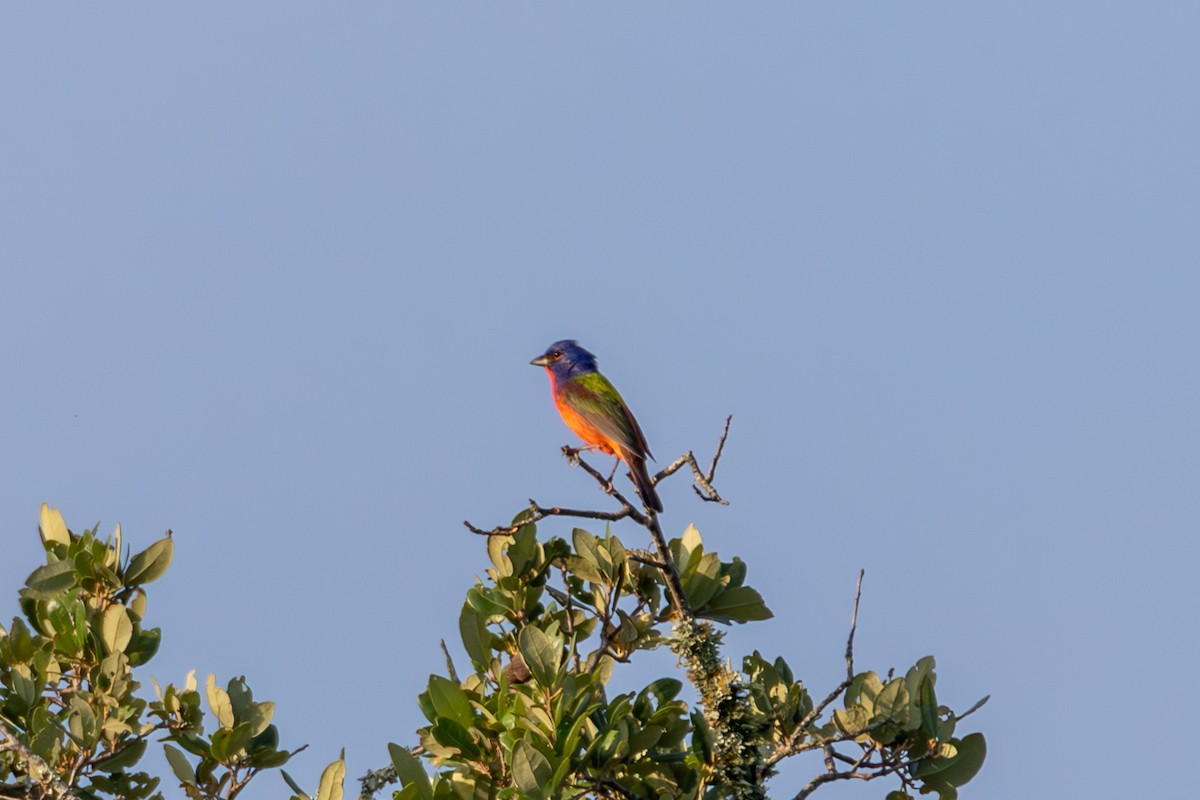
(644, 557)
(853, 627)
(649, 521)
(832, 773)
(791, 747)
(669, 570)
(539, 513)
(627, 510)
(709, 494)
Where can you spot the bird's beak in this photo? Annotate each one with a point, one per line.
(541, 361)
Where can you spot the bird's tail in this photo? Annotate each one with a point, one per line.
(641, 479)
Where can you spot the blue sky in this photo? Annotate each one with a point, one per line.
(271, 274)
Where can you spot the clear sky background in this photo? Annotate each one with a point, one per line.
(271, 274)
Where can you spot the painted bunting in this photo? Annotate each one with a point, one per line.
(594, 410)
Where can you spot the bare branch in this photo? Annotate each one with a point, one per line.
(628, 510)
(539, 513)
(644, 557)
(709, 494)
(791, 747)
(853, 627)
(832, 774)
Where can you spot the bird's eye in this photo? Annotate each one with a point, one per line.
(556, 355)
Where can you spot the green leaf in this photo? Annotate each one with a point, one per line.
(615, 552)
(449, 700)
(586, 563)
(496, 546)
(144, 647)
(116, 629)
(259, 716)
(523, 550)
(81, 724)
(568, 744)
(150, 564)
(410, 792)
(542, 655)
(410, 771)
(852, 720)
(180, 765)
(228, 743)
(702, 739)
(863, 690)
(472, 627)
(294, 786)
(927, 702)
(449, 733)
(50, 580)
(530, 769)
(972, 750)
(737, 604)
(484, 601)
(702, 579)
(125, 757)
(267, 739)
(269, 759)
(892, 703)
(585, 569)
(332, 779)
(690, 540)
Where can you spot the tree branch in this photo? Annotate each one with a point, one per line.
(9, 740)
(704, 480)
(628, 510)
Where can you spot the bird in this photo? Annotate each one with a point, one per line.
(594, 410)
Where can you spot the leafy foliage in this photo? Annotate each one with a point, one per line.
(72, 721)
(534, 718)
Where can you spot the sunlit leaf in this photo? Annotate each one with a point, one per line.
(219, 702)
(52, 527)
(116, 629)
(330, 787)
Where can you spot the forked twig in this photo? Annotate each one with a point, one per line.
(703, 480)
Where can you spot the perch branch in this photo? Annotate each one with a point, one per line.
(628, 510)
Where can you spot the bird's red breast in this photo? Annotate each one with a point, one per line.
(584, 429)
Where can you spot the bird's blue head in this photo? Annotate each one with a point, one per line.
(566, 359)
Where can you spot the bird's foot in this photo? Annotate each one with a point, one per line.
(572, 453)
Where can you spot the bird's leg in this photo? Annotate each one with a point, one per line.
(616, 464)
